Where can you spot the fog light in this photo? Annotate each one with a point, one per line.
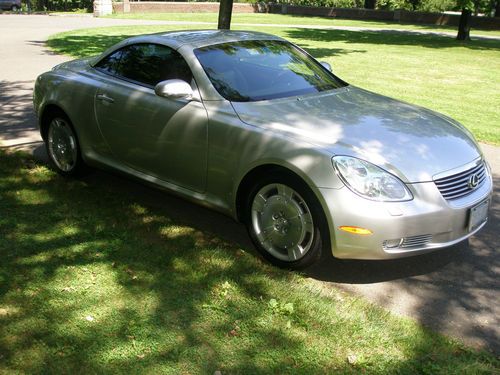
(356, 230)
(391, 244)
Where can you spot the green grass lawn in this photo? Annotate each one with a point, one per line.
(461, 80)
(95, 280)
(281, 19)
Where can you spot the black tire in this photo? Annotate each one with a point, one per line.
(289, 219)
(63, 148)
(14, 8)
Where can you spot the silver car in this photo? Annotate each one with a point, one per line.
(251, 125)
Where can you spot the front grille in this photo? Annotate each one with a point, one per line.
(457, 185)
(416, 241)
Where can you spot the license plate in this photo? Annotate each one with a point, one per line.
(478, 215)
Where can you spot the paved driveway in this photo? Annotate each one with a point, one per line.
(455, 291)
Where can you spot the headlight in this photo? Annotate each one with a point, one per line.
(370, 181)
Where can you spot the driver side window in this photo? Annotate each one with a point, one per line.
(146, 64)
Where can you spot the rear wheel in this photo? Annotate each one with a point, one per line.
(62, 146)
(14, 8)
(285, 222)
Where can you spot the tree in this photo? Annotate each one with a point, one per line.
(465, 18)
(370, 4)
(464, 25)
(225, 12)
(414, 4)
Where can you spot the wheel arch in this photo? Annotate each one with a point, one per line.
(47, 113)
(248, 180)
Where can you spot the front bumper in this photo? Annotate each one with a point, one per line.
(400, 229)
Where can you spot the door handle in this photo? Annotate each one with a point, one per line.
(104, 98)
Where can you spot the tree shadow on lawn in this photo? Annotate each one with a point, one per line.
(78, 44)
(85, 45)
(376, 23)
(319, 53)
(165, 276)
(389, 37)
(94, 279)
(88, 45)
(18, 117)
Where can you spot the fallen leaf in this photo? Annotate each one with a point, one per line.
(352, 359)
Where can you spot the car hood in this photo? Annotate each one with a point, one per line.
(412, 142)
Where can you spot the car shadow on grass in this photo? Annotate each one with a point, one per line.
(216, 224)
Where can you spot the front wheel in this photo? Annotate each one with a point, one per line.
(62, 146)
(286, 223)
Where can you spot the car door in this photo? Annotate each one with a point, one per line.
(161, 137)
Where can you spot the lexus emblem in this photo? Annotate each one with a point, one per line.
(473, 181)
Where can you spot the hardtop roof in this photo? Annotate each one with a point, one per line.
(201, 38)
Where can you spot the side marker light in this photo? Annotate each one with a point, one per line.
(356, 230)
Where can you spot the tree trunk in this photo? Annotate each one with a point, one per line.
(464, 25)
(497, 9)
(370, 4)
(225, 12)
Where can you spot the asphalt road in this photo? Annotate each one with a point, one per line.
(454, 291)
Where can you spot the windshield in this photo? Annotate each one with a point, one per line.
(263, 69)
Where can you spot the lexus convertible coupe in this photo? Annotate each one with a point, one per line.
(251, 125)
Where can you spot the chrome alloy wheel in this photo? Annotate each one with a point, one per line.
(282, 222)
(62, 145)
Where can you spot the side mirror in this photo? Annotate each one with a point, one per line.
(174, 89)
(326, 66)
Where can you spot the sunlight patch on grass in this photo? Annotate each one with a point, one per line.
(32, 197)
(6, 310)
(175, 231)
